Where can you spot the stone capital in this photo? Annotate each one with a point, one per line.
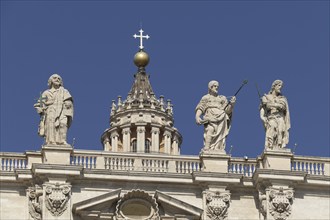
(167, 133)
(140, 129)
(155, 130)
(114, 134)
(126, 130)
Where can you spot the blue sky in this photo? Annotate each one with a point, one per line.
(90, 44)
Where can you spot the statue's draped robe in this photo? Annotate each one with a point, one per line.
(212, 107)
(276, 121)
(57, 117)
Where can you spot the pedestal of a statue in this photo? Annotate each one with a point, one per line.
(56, 154)
(277, 159)
(214, 161)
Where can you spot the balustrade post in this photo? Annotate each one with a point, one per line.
(138, 164)
(33, 157)
(172, 166)
(100, 162)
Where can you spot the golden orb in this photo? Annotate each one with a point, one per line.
(141, 59)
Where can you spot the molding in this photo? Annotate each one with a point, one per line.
(162, 197)
(56, 169)
(211, 177)
(80, 207)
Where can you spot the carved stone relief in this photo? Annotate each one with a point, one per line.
(57, 197)
(35, 202)
(217, 205)
(137, 204)
(263, 203)
(280, 203)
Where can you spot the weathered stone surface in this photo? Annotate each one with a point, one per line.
(274, 112)
(217, 115)
(55, 107)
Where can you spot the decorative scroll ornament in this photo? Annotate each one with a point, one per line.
(57, 197)
(35, 202)
(217, 205)
(263, 203)
(280, 203)
(137, 204)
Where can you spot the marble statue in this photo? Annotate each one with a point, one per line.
(55, 107)
(217, 114)
(274, 112)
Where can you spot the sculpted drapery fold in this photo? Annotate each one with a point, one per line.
(217, 115)
(274, 113)
(55, 107)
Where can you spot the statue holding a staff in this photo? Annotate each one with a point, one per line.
(217, 113)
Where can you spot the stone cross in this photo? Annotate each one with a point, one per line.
(141, 36)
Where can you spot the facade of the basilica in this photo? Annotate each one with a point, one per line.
(140, 173)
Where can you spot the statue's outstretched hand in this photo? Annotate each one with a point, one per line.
(233, 100)
(199, 121)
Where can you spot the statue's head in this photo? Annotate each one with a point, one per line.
(213, 86)
(275, 84)
(55, 78)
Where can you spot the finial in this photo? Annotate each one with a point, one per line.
(141, 36)
(141, 58)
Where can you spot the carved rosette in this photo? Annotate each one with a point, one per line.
(137, 204)
(35, 202)
(57, 197)
(280, 203)
(217, 205)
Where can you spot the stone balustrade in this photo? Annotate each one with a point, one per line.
(311, 165)
(12, 161)
(135, 162)
(242, 166)
(91, 159)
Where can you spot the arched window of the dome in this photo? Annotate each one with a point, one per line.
(147, 146)
(134, 146)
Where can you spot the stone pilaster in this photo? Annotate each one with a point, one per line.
(155, 139)
(140, 133)
(126, 139)
(167, 141)
(175, 145)
(106, 143)
(114, 140)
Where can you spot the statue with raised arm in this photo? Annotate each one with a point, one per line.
(217, 114)
(55, 107)
(274, 112)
